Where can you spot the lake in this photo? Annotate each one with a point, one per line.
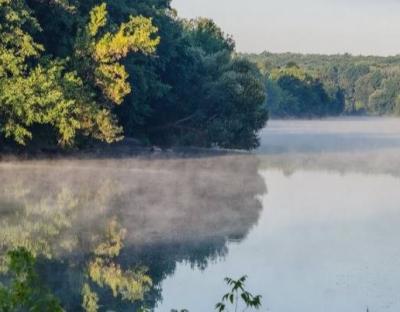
(312, 217)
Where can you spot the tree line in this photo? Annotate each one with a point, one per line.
(351, 84)
(74, 72)
(294, 92)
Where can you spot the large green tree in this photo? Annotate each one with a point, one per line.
(69, 94)
(101, 69)
(206, 95)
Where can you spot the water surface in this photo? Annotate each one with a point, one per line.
(327, 239)
(312, 218)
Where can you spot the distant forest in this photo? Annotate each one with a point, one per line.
(300, 85)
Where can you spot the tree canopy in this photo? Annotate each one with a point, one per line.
(71, 70)
(294, 92)
(369, 84)
(71, 94)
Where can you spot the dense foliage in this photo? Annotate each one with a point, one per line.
(293, 92)
(370, 84)
(72, 93)
(73, 70)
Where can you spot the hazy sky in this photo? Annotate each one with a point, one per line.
(314, 26)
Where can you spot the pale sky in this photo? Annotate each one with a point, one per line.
(309, 26)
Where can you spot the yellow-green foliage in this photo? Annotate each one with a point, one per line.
(98, 19)
(113, 241)
(49, 95)
(34, 236)
(292, 71)
(103, 52)
(90, 299)
(130, 285)
(133, 36)
(15, 43)
(43, 226)
(37, 89)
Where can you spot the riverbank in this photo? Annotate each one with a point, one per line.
(127, 148)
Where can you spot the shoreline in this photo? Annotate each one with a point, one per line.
(120, 150)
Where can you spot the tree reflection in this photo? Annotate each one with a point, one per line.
(95, 225)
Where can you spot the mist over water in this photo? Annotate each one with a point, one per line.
(327, 239)
(312, 218)
(168, 211)
(345, 144)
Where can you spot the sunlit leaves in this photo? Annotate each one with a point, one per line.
(90, 301)
(48, 95)
(133, 36)
(113, 80)
(72, 95)
(130, 285)
(102, 53)
(16, 44)
(113, 241)
(98, 19)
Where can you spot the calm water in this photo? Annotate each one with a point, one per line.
(327, 238)
(313, 218)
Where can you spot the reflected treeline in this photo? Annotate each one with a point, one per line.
(373, 162)
(105, 233)
(358, 145)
